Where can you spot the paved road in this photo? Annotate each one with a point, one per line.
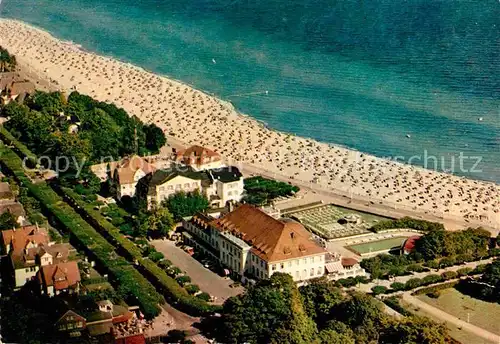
(367, 287)
(448, 318)
(207, 280)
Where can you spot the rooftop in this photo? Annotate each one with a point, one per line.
(226, 174)
(197, 155)
(61, 275)
(271, 239)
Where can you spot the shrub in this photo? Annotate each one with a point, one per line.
(204, 296)
(156, 256)
(415, 268)
(393, 302)
(346, 282)
(433, 264)
(413, 283)
(378, 289)
(165, 263)
(431, 279)
(479, 269)
(192, 288)
(397, 286)
(408, 222)
(182, 280)
(447, 262)
(434, 288)
(464, 271)
(447, 275)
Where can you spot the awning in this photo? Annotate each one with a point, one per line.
(334, 267)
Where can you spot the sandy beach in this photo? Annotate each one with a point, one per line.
(189, 116)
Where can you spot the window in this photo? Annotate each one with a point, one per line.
(186, 186)
(297, 274)
(170, 187)
(312, 259)
(262, 263)
(289, 264)
(162, 188)
(273, 267)
(312, 272)
(194, 185)
(320, 272)
(27, 270)
(305, 260)
(297, 262)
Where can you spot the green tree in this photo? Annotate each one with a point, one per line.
(155, 138)
(413, 330)
(186, 204)
(159, 222)
(7, 221)
(320, 297)
(431, 245)
(7, 61)
(331, 337)
(269, 312)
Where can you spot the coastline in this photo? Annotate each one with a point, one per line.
(194, 116)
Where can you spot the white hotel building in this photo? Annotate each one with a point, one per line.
(250, 243)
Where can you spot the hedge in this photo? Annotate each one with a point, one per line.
(172, 290)
(131, 284)
(20, 148)
(393, 303)
(435, 288)
(408, 222)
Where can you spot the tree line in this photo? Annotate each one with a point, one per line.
(276, 311)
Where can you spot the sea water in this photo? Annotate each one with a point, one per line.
(418, 78)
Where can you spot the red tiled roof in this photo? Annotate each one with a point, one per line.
(61, 276)
(271, 239)
(349, 261)
(197, 155)
(127, 168)
(20, 237)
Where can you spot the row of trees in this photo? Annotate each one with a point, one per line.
(275, 311)
(435, 249)
(408, 222)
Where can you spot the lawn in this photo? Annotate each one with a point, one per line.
(482, 314)
(378, 245)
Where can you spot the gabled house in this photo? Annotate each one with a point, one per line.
(16, 90)
(9, 204)
(199, 158)
(71, 324)
(127, 174)
(59, 278)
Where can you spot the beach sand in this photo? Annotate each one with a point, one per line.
(189, 116)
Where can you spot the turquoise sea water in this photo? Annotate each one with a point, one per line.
(361, 73)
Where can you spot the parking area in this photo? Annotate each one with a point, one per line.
(208, 281)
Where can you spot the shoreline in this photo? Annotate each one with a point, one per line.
(195, 116)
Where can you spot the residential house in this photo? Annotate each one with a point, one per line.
(59, 278)
(127, 174)
(71, 324)
(199, 158)
(251, 243)
(9, 204)
(16, 90)
(161, 184)
(28, 262)
(22, 238)
(226, 186)
(220, 186)
(109, 323)
(338, 267)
